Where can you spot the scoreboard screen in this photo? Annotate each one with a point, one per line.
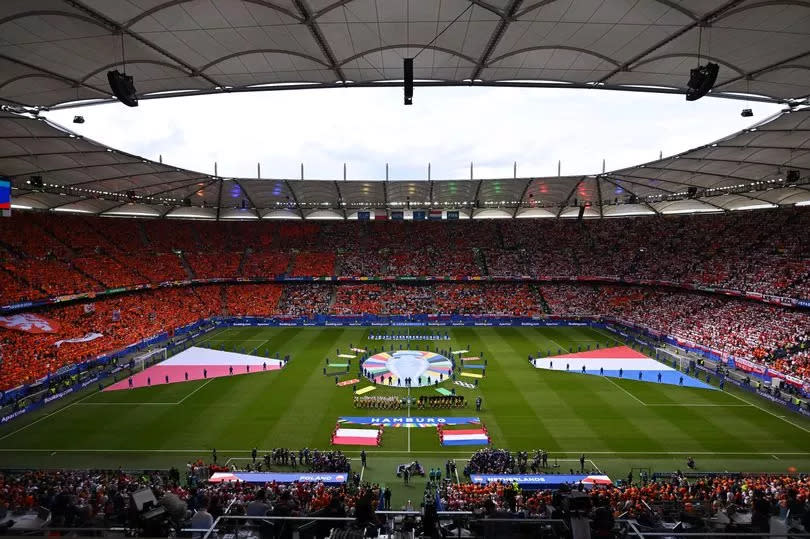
(5, 197)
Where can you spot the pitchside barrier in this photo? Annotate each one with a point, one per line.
(454, 524)
(755, 296)
(188, 333)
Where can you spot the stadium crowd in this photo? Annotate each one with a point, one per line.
(45, 255)
(702, 496)
(768, 334)
(490, 461)
(100, 498)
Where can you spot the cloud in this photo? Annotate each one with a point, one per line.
(447, 127)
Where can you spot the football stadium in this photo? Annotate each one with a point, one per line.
(622, 353)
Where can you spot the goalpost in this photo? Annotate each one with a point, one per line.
(668, 356)
(150, 357)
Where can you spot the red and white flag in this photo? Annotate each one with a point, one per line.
(30, 323)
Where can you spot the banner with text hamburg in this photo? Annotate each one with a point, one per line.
(402, 421)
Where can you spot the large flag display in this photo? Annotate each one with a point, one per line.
(259, 477)
(413, 421)
(30, 323)
(539, 482)
(472, 435)
(88, 337)
(343, 436)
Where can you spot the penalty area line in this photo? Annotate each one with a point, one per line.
(62, 409)
(668, 404)
(193, 392)
(262, 344)
(783, 418)
(623, 389)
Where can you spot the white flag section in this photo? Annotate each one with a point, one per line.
(86, 338)
(29, 322)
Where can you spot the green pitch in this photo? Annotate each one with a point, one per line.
(619, 424)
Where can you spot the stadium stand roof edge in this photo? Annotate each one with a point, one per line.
(57, 51)
(765, 166)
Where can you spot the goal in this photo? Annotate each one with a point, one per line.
(150, 357)
(669, 356)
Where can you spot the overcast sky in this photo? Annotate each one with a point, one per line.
(448, 127)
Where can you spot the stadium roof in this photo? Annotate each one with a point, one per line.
(762, 166)
(58, 51)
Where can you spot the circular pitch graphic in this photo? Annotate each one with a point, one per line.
(423, 368)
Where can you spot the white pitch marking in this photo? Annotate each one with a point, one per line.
(127, 403)
(783, 418)
(363, 469)
(262, 344)
(193, 392)
(623, 389)
(775, 457)
(702, 405)
(409, 415)
(47, 416)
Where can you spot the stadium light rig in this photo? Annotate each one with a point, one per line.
(407, 68)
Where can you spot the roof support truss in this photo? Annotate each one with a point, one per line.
(640, 199)
(522, 196)
(495, 38)
(310, 22)
(295, 198)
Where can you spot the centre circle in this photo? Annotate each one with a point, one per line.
(422, 368)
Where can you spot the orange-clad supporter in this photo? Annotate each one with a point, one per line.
(28, 357)
(469, 298)
(108, 271)
(298, 235)
(24, 236)
(763, 252)
(80, 233)
(314, 263)
(157, 268)
(211, 265)
(165, 236)
(213, 236)
(82, 498)
(13, 286)
(53, 276)
(210, 296)
(713, 493)
(265, 264)
(253, 299)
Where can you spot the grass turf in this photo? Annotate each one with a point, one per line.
(618, 424)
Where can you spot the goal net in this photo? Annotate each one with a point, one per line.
(673, 357)
(145, 359)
